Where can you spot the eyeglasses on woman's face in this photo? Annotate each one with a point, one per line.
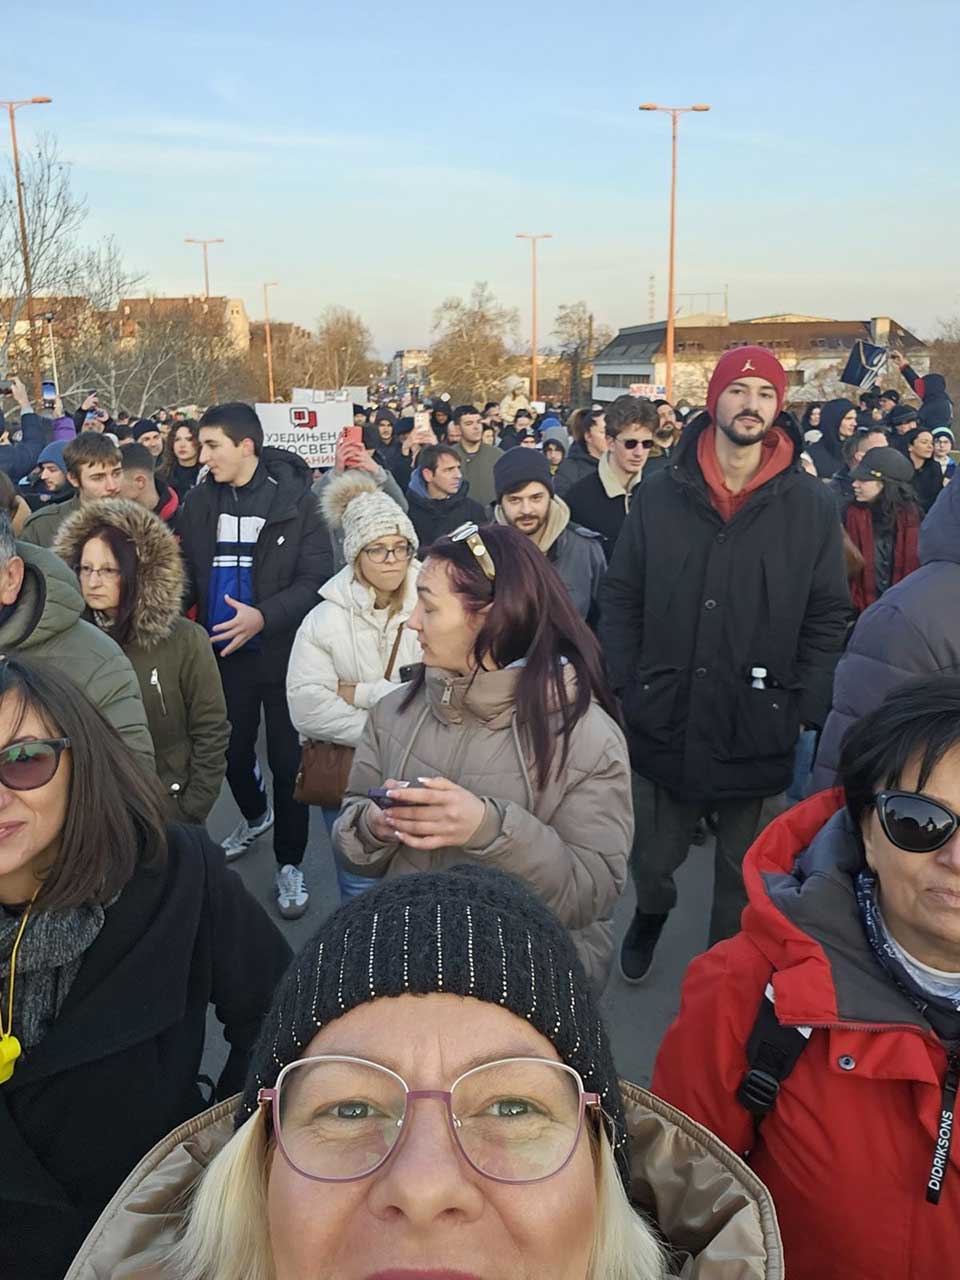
(913, 822)
(380, 554)
(339, 1119)
(27, 765)
(106, 574)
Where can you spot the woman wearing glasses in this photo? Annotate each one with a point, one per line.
(505, 749)
(601, 500)
(853, 933)
(350, 648)
(433, 1096)
(116, 934)
(131, 577)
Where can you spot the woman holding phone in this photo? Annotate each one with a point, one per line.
(505, 749)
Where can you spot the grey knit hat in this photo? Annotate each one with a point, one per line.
(468, 931)
(356, 503)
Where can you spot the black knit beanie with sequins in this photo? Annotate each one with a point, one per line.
(467, 931)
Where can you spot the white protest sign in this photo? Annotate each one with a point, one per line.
(308, 429)
(348, 395)
(648, 389)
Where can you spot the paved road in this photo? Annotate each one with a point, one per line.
(636, 1017)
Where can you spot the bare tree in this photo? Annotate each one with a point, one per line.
(470, 356)
(344, 354)
(579, 339)
(54, 215)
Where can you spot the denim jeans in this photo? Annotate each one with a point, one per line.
(802, 766)
(351, 885)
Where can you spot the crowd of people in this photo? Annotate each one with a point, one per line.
(514, 656)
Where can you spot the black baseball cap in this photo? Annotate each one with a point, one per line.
(883, 463)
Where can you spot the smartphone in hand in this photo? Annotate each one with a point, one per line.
(380, 798)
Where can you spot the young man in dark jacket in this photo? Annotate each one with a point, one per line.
(723, 613)
(438, 496)
(256, 554)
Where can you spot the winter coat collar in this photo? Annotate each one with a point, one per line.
(614, 485)
(487, 696)
(160, 579)
(49, 602)
(707, 1203)
(803, 916)
(558, 519)
(346, 590)
(290, 474)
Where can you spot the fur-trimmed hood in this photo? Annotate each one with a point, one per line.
(159, 566)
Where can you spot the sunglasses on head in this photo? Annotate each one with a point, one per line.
(637, 444)
(24, 766)
(470, 534)
(913, 822)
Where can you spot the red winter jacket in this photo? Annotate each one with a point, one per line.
(848, 1147)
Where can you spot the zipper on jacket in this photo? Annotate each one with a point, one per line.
(941, 1150)
(155, 683)
(447, 695)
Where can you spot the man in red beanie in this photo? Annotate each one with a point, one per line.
(722, 617)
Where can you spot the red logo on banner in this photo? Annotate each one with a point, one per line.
(303, 418)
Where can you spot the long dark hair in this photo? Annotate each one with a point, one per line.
(896, 496)
(168, 459)
(102, 842)
(125, 554)
(529, 616)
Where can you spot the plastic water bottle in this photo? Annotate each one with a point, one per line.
(759, 677)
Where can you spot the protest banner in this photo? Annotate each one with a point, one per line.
(308, 429)
(349, 395)
(648, 390)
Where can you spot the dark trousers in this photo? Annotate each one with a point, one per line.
(246, 692)
(665, 825)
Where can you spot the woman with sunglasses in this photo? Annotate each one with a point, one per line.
(505, 749)
(434, 1096)
(835, 1014)
(131, 576)
(116, 934)
(350, 648)
(601, 500)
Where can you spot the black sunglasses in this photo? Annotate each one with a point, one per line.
(636, 444)
(913, 822)
(24, 766)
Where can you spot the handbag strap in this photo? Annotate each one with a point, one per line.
(393, 653)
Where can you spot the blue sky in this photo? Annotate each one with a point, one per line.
(383, 156)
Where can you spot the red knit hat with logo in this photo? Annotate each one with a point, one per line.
(746, 362)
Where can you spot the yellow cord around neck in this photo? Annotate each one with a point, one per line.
(10, 1047)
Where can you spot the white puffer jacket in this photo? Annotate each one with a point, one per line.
(344, 638)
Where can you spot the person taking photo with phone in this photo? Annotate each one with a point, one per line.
(18, 459)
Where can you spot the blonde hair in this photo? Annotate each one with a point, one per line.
(227, 1236)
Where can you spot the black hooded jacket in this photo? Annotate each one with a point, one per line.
(292, 558)
(936, 409)
(691, 603)
(827, 453)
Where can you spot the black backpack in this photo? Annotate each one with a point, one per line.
(772, 1053)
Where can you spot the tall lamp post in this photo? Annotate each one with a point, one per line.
(674, 113)
(206, 262)
(12, 107)
(522, 235)
(272, 284)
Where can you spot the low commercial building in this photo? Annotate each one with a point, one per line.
(812, 349)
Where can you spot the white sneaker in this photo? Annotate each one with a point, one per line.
(242, 837)
(292, 896)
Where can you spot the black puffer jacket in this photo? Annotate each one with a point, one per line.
(578, 463)
(827, 453)
(690, 604)
(913, 631)
(292, 560)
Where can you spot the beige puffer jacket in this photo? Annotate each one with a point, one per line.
(569, 841)
(714, 1213)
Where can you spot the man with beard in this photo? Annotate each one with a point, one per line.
(526, 500)
(666, 436)
(723, 613)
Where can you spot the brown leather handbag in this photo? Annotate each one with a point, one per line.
(325, 766)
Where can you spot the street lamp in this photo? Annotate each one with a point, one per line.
(206, 264)
(522, 235)
(673, 112)
(272, 284)
(12, 106)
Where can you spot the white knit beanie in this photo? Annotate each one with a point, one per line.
(356, 503)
